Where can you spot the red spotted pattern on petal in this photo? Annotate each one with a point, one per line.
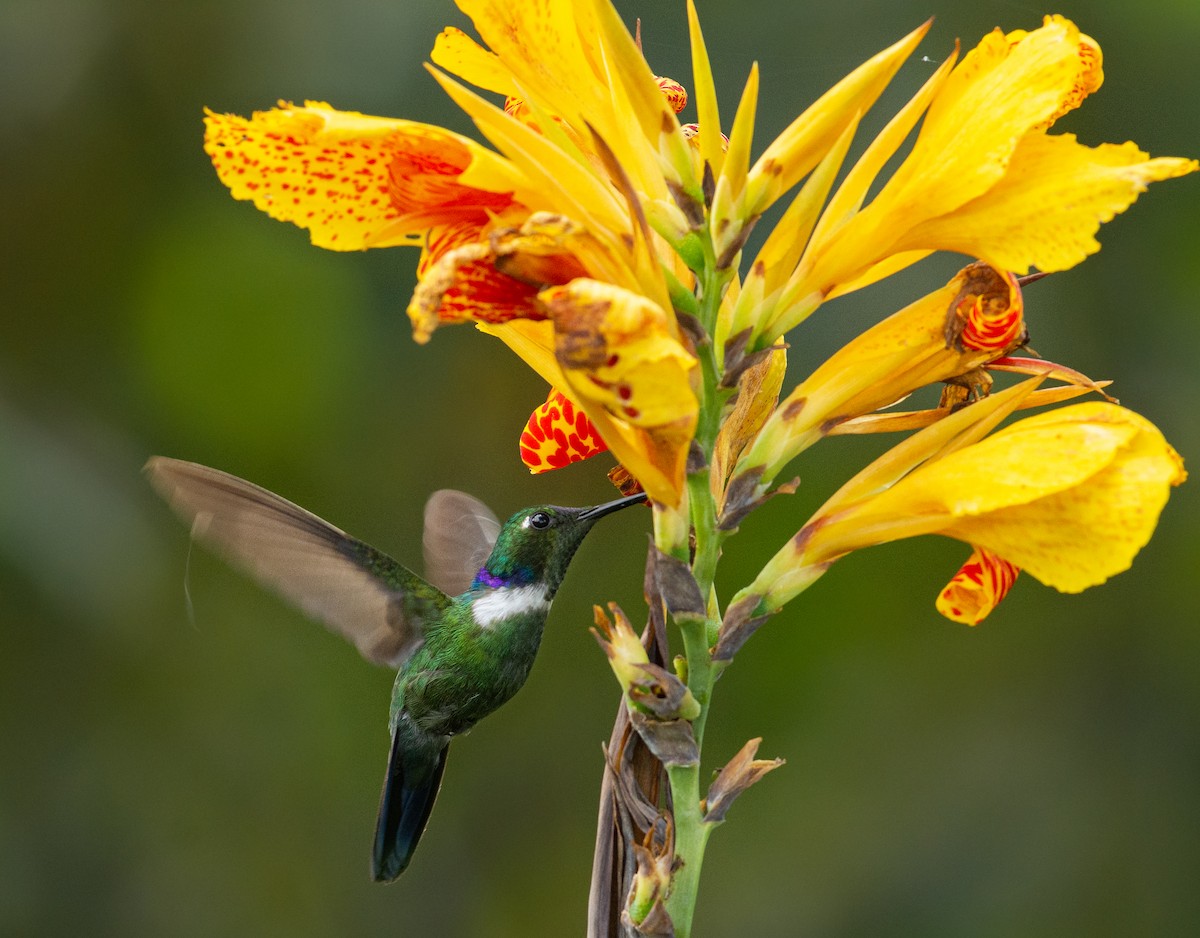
(338, 188)
(977, 588)
(558, 433)
(477, 291)
(676, 94)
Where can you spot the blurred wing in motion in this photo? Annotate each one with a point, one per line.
(460, 533)
(355, 590)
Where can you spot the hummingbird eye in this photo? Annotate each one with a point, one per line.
(539, 520)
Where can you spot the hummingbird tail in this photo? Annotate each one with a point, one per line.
(414, 774)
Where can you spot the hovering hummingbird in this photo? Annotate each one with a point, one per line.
(463, 640)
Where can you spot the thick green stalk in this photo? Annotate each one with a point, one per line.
(691, 830)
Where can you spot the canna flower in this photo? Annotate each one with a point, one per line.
(984, 178)
(1070, 496)
(550, 229)
(976, 318)
(576, 241)
(954, 335)
(600, 239)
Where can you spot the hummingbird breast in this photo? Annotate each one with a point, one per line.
(466, 669)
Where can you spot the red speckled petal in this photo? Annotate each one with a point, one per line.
(977, 588)
(558, 433)
(676, 94)
(352, 180)
(459, 282)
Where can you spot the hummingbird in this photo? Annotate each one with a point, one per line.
(463, 640)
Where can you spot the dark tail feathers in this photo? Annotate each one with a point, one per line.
(414, 774)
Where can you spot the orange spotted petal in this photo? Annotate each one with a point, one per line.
(558, 433)
(458, 282)
(977, 588)
(469, 274)
(677, 96)
(354, 181)
(616, 350)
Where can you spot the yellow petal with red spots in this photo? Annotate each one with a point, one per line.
(978, 587)
(467, 274)
(655, 457)
(354, 181)
(617, 348)
(676, 94)
(558, 433)
(458, 282)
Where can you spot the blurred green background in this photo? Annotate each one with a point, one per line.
(217, 774)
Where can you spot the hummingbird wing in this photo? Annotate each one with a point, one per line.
(460, 533)
(358, 592)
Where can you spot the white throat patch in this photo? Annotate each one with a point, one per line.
(497, 605)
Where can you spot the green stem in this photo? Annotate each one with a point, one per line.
(691, 830)
(691, 837)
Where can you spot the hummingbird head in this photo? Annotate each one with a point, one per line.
(536, 544)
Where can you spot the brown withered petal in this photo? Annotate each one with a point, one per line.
(737, 626)
(661, 694)
(754, 398)
(671, 741)
(629, 796)
(655, 637)
(692, 327)
(678, 587)
(742, 771)
(692, 210)
(735, 348)
(735, 370)
(740, 500)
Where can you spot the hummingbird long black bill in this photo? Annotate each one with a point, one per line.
(609, 507)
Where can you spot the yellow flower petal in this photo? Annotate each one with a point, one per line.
(758, 392)
(708, 128)
(805, 141)
(983, 178)
(1079, 536)
(656, 458)
(461, 55)
(617, 349)
(1069, 496)
(1050, 204)
(975, 318)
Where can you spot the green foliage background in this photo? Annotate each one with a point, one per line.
(218, 775)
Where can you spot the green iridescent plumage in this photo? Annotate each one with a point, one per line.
(463, 641)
